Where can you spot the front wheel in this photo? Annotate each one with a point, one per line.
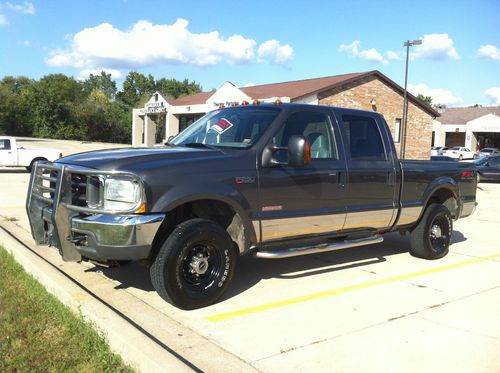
(431, 238)
(460, 157)
(194, 265)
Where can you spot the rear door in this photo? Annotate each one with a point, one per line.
(7, 154)
(310, 200)
(371, 173)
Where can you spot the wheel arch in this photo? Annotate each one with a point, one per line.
(444, 191)
(219, 208)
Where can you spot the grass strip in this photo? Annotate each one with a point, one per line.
(39, 334)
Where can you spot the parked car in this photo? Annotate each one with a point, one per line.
(486, 152)
(14, 155)
(488, 168)
(442, 158)
(274, 180)
(459, 152)
(437, 150)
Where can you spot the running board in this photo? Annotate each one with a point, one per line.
(321, 248)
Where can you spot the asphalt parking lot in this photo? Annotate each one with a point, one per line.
(373, 308)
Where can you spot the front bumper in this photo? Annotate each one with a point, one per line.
(115, 237)
(56, 221)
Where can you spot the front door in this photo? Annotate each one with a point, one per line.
(304, 201)
(7, 154)
(371, 177)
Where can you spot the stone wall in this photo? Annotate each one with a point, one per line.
(389, 103)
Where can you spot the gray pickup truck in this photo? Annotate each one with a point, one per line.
(274, 180)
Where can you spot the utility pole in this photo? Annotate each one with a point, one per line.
(407, 44)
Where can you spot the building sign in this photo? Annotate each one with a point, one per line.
(155, 108)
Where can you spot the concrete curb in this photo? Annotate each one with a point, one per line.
(136, 349)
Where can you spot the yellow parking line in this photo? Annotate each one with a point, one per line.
(342, 290)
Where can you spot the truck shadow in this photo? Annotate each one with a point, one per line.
(14, 171)
(250, 271)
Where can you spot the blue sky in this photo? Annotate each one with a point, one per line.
(256, 42)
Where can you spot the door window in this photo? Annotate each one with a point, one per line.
(363, 138)
(315, 127)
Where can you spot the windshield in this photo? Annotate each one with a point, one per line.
(455, 148)
(238, 127)
(481, 161)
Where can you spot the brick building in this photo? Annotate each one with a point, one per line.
(370, 90)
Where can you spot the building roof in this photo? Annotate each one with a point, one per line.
(462, 115)
(301, 88)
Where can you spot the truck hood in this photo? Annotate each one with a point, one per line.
(131, 158)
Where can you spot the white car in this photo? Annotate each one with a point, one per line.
(459, 152)
(13, 155)
(486, 152)
(437, 150)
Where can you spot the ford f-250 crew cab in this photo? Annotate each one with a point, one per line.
(273, 180)
(14, 155)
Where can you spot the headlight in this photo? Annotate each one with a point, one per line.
(121, 193)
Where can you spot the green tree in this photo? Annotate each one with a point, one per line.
(135, 87)
(425, 99)
(172, 88)
(15, 114)
(101, 83)
(55, 102)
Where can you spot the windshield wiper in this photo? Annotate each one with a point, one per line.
(201, 145)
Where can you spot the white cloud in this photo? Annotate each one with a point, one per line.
(439, 95)
(25, 43)
(489, 51)
(3, 21)
(493, 94)
(24, 8)
(367, 54)
(147, 44)
(391, 55)
(272, 51)
(84, 74)
(249, 84)
(436, 47)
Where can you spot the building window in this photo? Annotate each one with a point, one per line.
(397, 130)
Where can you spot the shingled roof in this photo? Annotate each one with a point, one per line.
(296, 89)
(462, 115)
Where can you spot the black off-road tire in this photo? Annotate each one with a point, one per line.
(193, 246)
(431, 238)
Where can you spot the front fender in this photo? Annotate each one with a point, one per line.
(185, 193)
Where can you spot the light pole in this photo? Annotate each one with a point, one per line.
(407, 44)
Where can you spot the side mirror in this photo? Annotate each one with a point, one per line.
(299, 151)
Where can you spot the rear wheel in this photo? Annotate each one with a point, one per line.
(431, 238)
(194, 265)
(30, 167)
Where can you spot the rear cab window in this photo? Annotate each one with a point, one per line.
(363, 139)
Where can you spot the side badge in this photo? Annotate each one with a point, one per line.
(244, 180)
